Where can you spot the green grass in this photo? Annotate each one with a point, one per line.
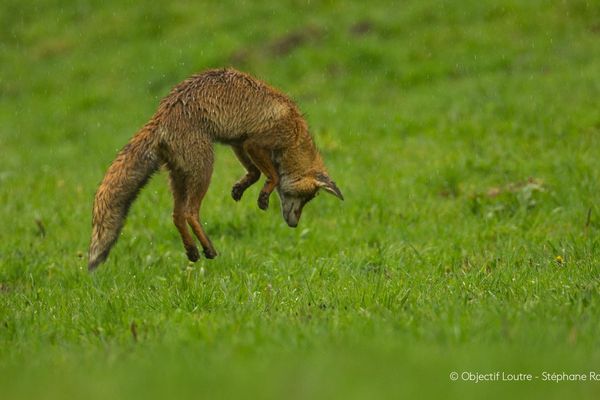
(465, 137)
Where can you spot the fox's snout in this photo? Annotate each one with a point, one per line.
(293, 222)
(291, 208)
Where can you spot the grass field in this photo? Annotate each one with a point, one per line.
(464, 135)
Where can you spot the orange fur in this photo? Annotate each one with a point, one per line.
(265, 129)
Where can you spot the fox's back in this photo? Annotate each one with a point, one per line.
(226, 104)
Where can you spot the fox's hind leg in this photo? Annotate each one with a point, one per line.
(186, 212)
(197, 187)
(252, 174)
(190, 163)
(178, 186)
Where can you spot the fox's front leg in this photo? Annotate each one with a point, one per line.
(252, 174)
(262, 159)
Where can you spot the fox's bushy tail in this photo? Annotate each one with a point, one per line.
(125, 177)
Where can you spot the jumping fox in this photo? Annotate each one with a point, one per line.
(263, 126)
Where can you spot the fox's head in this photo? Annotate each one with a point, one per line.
(294, 194)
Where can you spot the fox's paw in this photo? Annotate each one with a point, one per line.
(210, 253)
(192, 253)
(263, 200)
(237, 191)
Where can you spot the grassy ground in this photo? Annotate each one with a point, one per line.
(464, 135)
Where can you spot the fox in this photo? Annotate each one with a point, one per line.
(263, 126)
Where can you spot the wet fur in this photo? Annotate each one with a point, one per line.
(263, 126)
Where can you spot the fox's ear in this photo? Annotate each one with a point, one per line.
(325, 182)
